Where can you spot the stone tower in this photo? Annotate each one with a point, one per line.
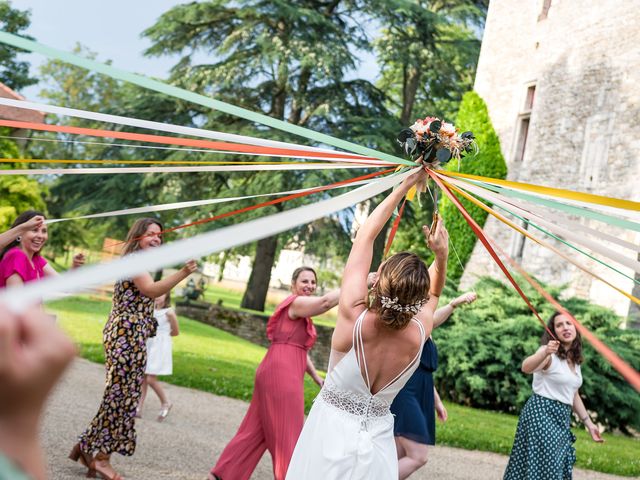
(561, 79)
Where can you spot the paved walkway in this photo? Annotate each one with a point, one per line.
(186, 445)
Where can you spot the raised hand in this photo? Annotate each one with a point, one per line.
(190, 267)
(551, 347)
(437, 241)
(465, 298)
(78, 260)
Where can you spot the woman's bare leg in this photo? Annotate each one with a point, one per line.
(415, 456)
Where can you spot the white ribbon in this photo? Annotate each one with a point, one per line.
(18, 299)
(556, 229)
(194, 203)
(164, 127)
(203, 168)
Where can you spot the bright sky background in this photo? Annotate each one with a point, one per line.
(111, 29)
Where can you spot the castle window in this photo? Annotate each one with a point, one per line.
(522, 126)
(546, 5)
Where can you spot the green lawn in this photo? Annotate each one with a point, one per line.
(232, 298)
(209, 359)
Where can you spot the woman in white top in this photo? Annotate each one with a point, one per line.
(543, 447)
(375, 348)
(159, 354)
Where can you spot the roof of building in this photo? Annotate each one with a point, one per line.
(17, 114)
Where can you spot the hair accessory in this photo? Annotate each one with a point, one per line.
(393, 304)
(435, 141)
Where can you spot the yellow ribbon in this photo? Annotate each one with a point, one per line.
(538, 241)
(555, 192)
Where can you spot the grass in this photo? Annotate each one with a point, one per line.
(211, 360)
(232, 298)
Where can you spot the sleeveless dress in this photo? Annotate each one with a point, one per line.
(348, 434)
(276, 414)
(125, 335)
(414, 407)
(159, 348)
(543, 445)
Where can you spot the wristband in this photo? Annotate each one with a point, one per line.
(585, 418)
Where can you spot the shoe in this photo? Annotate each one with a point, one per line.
(77, 455)
(164, 411)
(102, 471)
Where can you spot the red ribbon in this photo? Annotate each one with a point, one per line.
(394, 229)
(480, 234)
(185, 142)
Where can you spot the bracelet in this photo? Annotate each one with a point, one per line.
(453, 307)
(585, 418)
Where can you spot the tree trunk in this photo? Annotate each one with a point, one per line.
(256, 293)
(410, 88)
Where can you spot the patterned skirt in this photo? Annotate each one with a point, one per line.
(543, 447)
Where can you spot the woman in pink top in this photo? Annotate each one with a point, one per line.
(21, 261)
(276, 414)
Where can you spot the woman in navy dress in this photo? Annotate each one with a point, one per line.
(417, 403)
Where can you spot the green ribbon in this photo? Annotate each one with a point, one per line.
(183, 94)
(570, 209)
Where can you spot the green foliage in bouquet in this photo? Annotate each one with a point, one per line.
(489, 162)
(482, 347)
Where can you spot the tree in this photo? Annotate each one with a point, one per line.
(288, 60)
(18, 192)
(13, 72)
(489, 162)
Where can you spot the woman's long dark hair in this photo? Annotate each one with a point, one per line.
(574, 352)
(22, 218)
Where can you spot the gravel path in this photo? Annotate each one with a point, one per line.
(186, 445)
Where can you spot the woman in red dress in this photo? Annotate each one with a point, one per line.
(276, 414)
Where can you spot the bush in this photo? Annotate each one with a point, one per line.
(489, 162)
(482, 348)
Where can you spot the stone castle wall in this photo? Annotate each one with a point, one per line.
(584, 60)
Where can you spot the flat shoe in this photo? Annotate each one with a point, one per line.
(164, 411)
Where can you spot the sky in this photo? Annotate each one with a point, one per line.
(111, 29)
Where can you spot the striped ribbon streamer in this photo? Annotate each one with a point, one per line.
(158, 126)
(478, 231)
(510, 207)
(508, 222)
(204, 168)
(156, 162)
(19, 299)
(187, 142)
(181, 205)
(555, 192)
(176, 92)
(622, 367)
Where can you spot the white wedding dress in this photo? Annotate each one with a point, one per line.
(348, 434)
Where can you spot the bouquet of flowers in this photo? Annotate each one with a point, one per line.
(435, 141)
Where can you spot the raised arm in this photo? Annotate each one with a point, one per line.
(581, 411)
(354, 279)
(540, 359)
(12, 234)
(303, 306)
(443, 313)
(152, 289)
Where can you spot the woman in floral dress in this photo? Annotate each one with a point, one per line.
(125, 334)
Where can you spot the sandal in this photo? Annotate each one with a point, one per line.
(164, 411)
(78, 455)
(100, 470)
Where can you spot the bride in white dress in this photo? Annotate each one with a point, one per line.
(375, 348)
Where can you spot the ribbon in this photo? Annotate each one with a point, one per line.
(541, 242)
(176, 92)
(479, 233)
(186, 142)
(161, 127)
(557, 229)
(554, 192)
(181, 205)
(19, 299)
(205, 168)
(155, 162)
(622, 367)
(394, 229)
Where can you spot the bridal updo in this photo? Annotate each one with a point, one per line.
(401, 289)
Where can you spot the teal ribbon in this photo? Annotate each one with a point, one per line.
(176, 92)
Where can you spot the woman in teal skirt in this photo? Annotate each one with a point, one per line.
(543, 447)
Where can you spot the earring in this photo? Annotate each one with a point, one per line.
(18, 239)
